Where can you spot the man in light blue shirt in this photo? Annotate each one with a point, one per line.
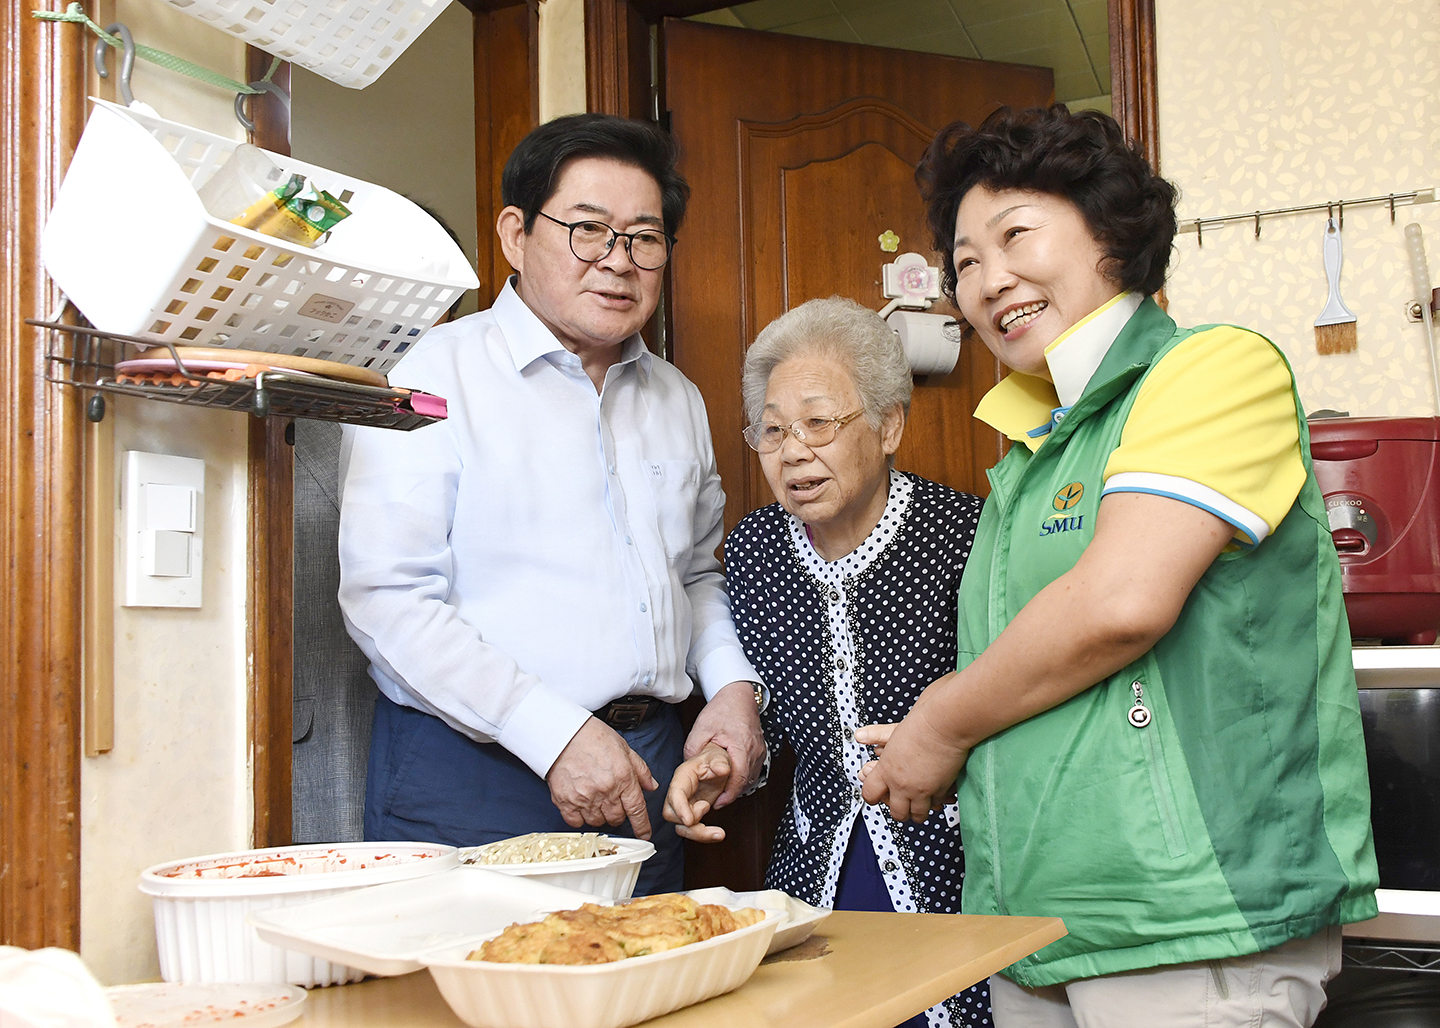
(534, 579)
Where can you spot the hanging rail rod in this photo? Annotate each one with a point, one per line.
(1413, 197)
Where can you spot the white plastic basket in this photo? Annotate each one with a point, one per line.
(201, 906)
(349, 42)
(130, 243)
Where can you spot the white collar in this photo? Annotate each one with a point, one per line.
(529, 339)
(870, 548)
(1074, 357)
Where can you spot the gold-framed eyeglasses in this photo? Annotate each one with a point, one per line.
(767, 437)
(592, 241)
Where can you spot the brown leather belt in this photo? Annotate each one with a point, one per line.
(630, 711)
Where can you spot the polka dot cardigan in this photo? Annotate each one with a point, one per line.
(846, 643)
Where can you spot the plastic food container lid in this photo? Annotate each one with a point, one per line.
(391, 929)
(172, 1005)
(293, 869)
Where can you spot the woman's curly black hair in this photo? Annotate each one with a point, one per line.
(1081, 156)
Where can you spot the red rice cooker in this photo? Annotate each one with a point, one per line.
(1381, 482)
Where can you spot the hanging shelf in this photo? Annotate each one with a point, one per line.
(85, 358)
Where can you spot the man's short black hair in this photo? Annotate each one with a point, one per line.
(1081, 156)
(532, 173)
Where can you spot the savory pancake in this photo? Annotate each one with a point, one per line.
(596, 935)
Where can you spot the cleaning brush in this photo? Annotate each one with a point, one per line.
(1335, 327)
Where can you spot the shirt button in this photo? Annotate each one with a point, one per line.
(859, 796)
(834, 595)
(849, 733)
(643, 608)
(612, 469)
(840, 663)
(889, 866)
(628, 542)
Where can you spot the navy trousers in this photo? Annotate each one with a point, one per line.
(429, 783)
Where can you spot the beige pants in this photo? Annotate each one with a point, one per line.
(1280, 988)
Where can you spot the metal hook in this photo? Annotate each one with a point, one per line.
(263, 86)
(1257, 224)
(1199, 232)
(1342, 215)
(1392, 208)
(127, 60)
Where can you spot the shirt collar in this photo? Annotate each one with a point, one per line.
(1073, 357)
(529, 339)
(1024, 407)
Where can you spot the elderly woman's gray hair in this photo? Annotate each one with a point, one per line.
(839, 328)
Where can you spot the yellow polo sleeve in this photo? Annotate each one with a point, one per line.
(1215, 425)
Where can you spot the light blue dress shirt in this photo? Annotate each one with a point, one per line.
(544, 550)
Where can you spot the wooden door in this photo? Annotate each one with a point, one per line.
(801, 154)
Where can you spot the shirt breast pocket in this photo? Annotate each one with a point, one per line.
(675, 486)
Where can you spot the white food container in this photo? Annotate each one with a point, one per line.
(172, 273)
(390, 929)
(612, 877)
(488, 995)
(800, 918)
(201, 905)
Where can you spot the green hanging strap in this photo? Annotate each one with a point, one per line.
(74, 13)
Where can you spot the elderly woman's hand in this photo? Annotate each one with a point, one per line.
(915, 769)
(731, 721)
(693, 791)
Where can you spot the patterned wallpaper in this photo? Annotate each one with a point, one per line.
(1293, 102)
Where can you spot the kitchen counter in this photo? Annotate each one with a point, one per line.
(870, 971)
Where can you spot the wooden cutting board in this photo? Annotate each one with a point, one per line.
(330, 369)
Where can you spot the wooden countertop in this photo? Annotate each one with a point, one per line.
(876, 970)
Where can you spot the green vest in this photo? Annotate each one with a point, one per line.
(1239, 817)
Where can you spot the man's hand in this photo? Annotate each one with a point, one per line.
(599, 780)
(693, 791)
(731, 721)
(915, 770)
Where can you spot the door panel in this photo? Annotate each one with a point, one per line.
(801, 153)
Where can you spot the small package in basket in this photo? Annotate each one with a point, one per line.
(382, 279)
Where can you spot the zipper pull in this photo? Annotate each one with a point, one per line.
(1139, 715)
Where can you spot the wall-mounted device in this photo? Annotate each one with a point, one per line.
(163, 530)
(931, 341)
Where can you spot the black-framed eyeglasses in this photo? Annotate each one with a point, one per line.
(767, 437)
(592, 241)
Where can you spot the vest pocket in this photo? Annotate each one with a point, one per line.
(1165, 806)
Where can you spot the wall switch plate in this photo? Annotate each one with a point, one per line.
(162, 513)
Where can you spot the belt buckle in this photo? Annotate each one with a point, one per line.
(625, 715)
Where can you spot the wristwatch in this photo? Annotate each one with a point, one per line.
(762, 697)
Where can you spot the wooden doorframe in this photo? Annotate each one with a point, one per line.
(42, 103)
(617, 60)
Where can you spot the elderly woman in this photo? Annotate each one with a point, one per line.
(843, 593)
(1155, 707)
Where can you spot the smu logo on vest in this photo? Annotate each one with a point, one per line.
(1064, 502)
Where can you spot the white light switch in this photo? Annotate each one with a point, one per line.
(162, 513)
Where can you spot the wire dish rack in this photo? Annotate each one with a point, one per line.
(85, 358)
(1392, 956)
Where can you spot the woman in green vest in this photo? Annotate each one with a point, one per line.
(1154, 717)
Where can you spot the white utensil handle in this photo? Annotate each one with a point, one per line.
(1420, 274)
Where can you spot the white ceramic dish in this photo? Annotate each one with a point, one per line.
(486, 995)
(611, 877)
(801, 919)
(170, 1005)
(389, 929)
(201, 905)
